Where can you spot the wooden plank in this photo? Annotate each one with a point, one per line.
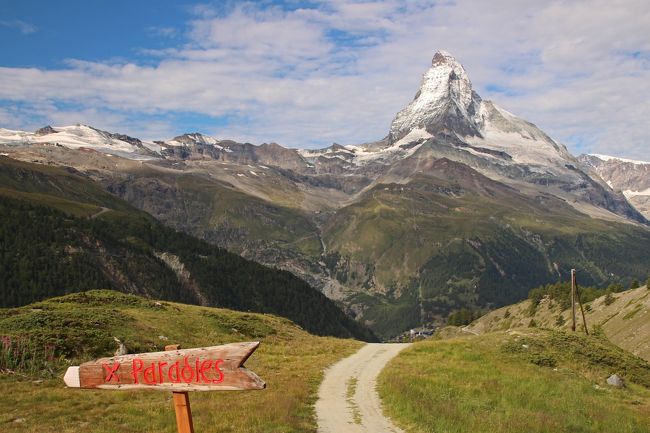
(184, 423)
(216, 368)
(573, 300)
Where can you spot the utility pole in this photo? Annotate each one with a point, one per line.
(573, 300)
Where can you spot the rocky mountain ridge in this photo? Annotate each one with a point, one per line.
(630, 177)
(462, 204)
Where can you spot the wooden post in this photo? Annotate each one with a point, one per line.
(182, 407)
(573, 300)
(584, 320)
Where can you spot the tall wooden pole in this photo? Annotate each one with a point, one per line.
(573, 300)
(181, 399)
(582, 310)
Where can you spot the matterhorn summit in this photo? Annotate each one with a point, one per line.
(445, 101)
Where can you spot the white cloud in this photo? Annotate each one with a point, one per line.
(339, 72)
(23, 27)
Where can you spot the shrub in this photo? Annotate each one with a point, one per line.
(462, 317)
(634, 284)
(609, 298)
(21, 356)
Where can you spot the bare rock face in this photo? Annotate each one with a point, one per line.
(632, 178)
(444, 102)
(45, 131)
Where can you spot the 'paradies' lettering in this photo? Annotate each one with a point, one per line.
(199, 371)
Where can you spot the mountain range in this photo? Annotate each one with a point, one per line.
(630, 177)
(462, 204)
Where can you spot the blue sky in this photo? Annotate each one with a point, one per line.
(306, 74)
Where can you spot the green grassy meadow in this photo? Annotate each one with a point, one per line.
(72, 329)
(537, 382)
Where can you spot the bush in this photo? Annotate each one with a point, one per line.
(634, 284)
(462, 317)
(18, 355)
(615, 288)
(609, 298)
(561, 293)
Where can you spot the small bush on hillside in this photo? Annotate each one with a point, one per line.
(561, 293)
(19, 355)
(532, 324)
(615, 288)
(598, 332)
(532, 309)
(462, 317)
(634, 284)
(559, 321)
(609, 298)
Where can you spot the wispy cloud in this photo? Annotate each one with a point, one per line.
(162, 32)
(339, 71)
(22, 26)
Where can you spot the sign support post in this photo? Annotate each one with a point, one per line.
(573, 300)
(182, 407)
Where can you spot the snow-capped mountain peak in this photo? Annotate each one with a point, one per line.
(192, 138)
(607, 158)
(445, 100)
(81, 136)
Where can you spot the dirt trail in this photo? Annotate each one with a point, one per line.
(101, 212)
(347, 398)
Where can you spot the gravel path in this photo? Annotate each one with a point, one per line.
(347, 398)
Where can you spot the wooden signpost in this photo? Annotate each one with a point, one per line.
(575, 295)
(216, 368)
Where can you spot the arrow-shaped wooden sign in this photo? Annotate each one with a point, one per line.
(216, 368)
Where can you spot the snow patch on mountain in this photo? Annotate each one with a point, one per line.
(445, 93)
(194, 138)
(607, 158)
(629, 193)
(504, 132)
(77, 137)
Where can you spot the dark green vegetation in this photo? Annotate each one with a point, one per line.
(533, 381)
(462, 317)
(452, 239)
(408, 253)
(40, 340)
(400, 254)
(47, 252)
(561, 293)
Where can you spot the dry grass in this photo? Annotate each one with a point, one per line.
(290, 360)
(541, 382)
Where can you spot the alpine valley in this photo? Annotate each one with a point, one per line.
(462, 204)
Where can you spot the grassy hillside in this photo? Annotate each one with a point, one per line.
(41, 339)
(421, 250)
(624, 317)
(219, 212)
(50, 247)
(529, 381)
(65, 189)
